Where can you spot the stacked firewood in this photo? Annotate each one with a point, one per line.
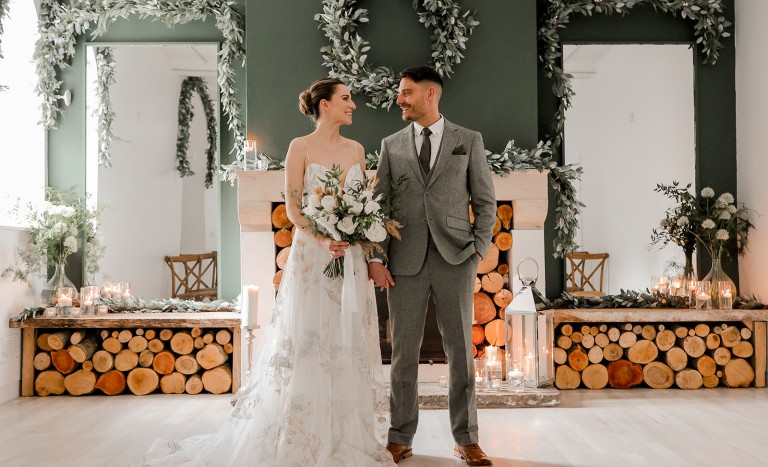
(685, 355)
(78, 362)
(492, 294)
(283, 230)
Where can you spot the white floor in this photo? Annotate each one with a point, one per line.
(591, 428)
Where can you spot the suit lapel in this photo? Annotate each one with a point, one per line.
(409, 145)
(450, 138)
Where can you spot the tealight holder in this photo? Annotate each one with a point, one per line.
(64, 297)
(703, 296)
(481, 374)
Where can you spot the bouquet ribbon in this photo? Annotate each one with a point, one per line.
(352, 301)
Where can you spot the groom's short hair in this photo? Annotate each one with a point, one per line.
(422, 73)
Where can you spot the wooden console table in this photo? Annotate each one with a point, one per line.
(157, 321)
(687, 331)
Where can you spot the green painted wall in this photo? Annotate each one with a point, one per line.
(498, 89)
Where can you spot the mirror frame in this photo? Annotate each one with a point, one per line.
(714, 104)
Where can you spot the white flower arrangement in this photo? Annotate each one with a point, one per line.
(357, 215)
(57, 227)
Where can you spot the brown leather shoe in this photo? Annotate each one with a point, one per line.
(399, 451)
(472, 454)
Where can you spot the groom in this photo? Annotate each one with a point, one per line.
(437, 255)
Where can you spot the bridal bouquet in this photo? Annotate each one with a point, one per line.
(356, 215)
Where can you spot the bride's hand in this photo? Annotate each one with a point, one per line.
(334, 247)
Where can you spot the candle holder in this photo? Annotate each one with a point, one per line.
(64, 297)
(102, 309)
(124, 290)
(442, 381)
(493, 368)
(691, 293)
(703, 296)
(514, 374)
(250, 334)
(50, 312)
(88, 295)
(481, 374)
(726, 295)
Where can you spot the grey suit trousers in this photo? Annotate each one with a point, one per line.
(451, 287)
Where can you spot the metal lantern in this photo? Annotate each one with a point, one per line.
(529, 336)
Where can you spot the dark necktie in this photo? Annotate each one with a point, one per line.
(426, 150)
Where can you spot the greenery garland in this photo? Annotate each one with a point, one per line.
(4, 7)
(197, 84)
(643, 299)
(105, 77)
(60, 24)
(709, 29)
(346, 55)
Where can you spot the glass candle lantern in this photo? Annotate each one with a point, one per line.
(726, 295)
(481, 374)
(64, 298)
(703, 295)
(529, 336)
(88, 297)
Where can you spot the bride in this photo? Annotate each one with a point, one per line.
(315, 395)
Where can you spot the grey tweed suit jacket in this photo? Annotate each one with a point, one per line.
(439, 203)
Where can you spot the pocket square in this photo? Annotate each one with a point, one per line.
(459, 150)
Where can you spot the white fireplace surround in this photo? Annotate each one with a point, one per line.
(258, 190)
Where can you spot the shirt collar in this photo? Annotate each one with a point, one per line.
(436, 128)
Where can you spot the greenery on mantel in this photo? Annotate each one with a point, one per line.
(709, 29)
(189, 85)
(643, 299)
(105, 77)
(4, 6)
(347, 53)
(60, 24)
(138, 305)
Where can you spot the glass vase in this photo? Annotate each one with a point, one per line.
(59, 279)
(719, 279)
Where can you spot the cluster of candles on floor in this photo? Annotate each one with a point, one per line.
(489, 371)
(699, 293)
(89, 299)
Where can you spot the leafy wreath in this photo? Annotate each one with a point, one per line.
(709, 29)
(190, 84)
(4, 6)
(105, 77)
(60, 24)
(346, 55)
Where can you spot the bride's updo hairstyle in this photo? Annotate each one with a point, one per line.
(309, 100)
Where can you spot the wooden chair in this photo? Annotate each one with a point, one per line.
(194, 276)
(581, 280)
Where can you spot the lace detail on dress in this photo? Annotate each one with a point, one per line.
(311, 399)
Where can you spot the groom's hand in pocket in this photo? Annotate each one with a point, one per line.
(380, 275)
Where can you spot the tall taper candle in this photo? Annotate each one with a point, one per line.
(250, 306)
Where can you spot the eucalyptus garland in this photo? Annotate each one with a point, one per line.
(189, 85)
(60, 24)
(346, 55)
(644, 299)
(709, 29)
(105, 77)
(4, 7)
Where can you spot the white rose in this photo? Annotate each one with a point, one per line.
(314, 201)
(707, 192)
(347, 225)
(309, 210)
(722, 234)
(349, 199)
(329, 224)
(682, 221)
(328, 202)
(376, 232)
(372, 206)
(71, 244)
(356, 207)
(367, 194)
(708, 224)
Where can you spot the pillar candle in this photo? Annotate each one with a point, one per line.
(250, 306)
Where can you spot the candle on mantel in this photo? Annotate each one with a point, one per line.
(65, 300)
(249, 309)
(478, 378)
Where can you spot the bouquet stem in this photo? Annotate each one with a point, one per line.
(334, 268)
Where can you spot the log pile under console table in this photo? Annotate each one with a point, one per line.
(659, 348)
(135, 353)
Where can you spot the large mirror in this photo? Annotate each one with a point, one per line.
(631, 126)
(151, 211)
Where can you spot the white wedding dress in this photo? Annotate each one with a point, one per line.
(315, 395)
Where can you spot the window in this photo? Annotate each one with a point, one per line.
(22, 138)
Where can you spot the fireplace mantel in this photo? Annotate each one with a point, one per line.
(258, 190)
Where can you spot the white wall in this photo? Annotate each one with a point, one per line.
(752, 160)
(631, 126)
(14, 297)
(152, 212)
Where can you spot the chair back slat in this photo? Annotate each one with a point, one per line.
(194, 276)
(584, 273)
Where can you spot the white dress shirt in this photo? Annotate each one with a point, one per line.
(435, 138)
